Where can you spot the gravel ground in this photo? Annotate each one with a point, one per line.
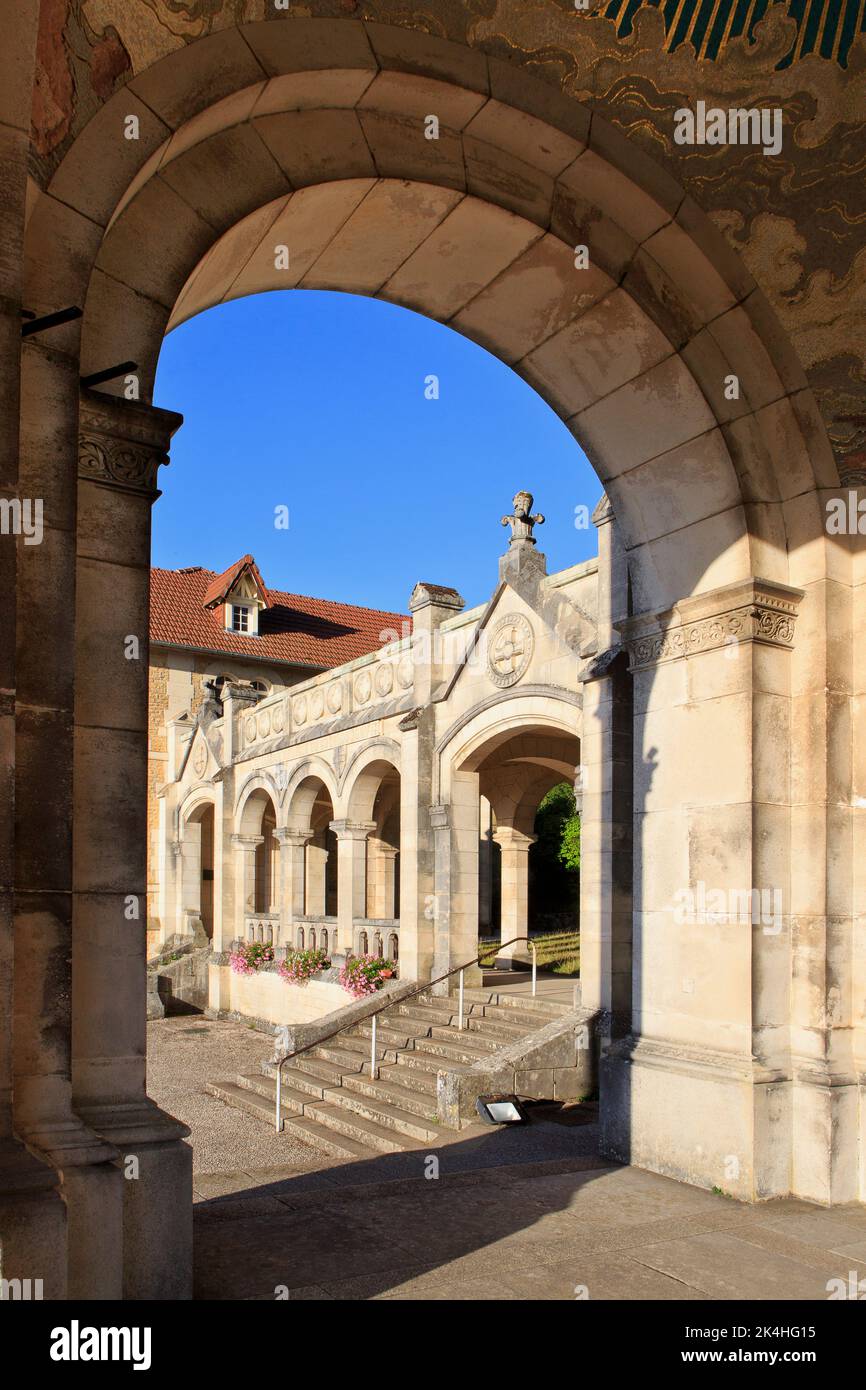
(183, 1054)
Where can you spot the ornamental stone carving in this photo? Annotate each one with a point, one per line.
(384, 680)
(363, 688)
(199, 758)
(123, 443)
(521, 521)
(335, 698)
(752, 612)
(317, 704)
(509, 649)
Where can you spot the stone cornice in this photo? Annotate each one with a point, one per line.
(123, 443)
(753, 610)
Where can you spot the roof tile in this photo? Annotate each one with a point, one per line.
(294, 628)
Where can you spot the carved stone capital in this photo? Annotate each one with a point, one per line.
(122, 443)
(752, 610)
(352, 830)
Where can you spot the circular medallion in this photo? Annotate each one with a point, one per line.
(299, 710)
(278, 717)
(363, 688)
(405, 672)
(250, 730)
(317, 704)
(335, 697)
(384, 679)
(509, 649)
(264, 724)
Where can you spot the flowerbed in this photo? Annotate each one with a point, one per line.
(363, 975)
(300, 966)
(250, 956)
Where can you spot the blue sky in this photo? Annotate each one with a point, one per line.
(316, 401)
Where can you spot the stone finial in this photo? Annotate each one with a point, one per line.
(522, 522)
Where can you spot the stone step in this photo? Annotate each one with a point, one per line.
(342, 1121)
(386, 1035)
(525, 1020)
(419, 1079)
(524, 1003)
(415, 1060)
(351, 1054)
(501, 1032)
(293, 1099)
(477, 1041)
(450, 1051)
(386, 1114)
(302, 1127)
(423, 1014)
(312, 1086)
(406, 1094)
(328, 1072)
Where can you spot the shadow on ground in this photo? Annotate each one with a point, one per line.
(500, 1223)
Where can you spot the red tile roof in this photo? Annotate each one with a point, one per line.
(294, 628)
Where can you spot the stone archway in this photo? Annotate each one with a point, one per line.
(515, 771)
(312, 890)
(197, 875)
(720, 509)
(373, 796)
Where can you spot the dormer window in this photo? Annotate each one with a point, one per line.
(242, 595)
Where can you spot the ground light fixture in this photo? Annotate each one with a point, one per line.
(501, 1110)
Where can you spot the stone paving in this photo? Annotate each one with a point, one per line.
(530, 1213)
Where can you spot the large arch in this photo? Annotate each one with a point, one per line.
(664, 314)
(719, 502)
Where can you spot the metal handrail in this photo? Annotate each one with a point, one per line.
(422, 989)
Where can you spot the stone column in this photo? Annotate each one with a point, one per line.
(515, 848)
(606, 843)
(417, 890)
(455, 829)
(35, 702)
(315, 870)
(292, 869)
(245, 877)
(189, 875)
(709, 1039)
(485, 867)
(120, 447)
(381, 884)
(351, 877)
(605, 795)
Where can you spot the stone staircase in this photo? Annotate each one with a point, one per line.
(330, 1100)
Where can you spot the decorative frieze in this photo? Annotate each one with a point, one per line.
(750, 611)
(332, 699)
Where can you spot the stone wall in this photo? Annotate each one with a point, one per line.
(266, 997)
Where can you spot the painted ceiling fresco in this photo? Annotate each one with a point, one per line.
(798, 219)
